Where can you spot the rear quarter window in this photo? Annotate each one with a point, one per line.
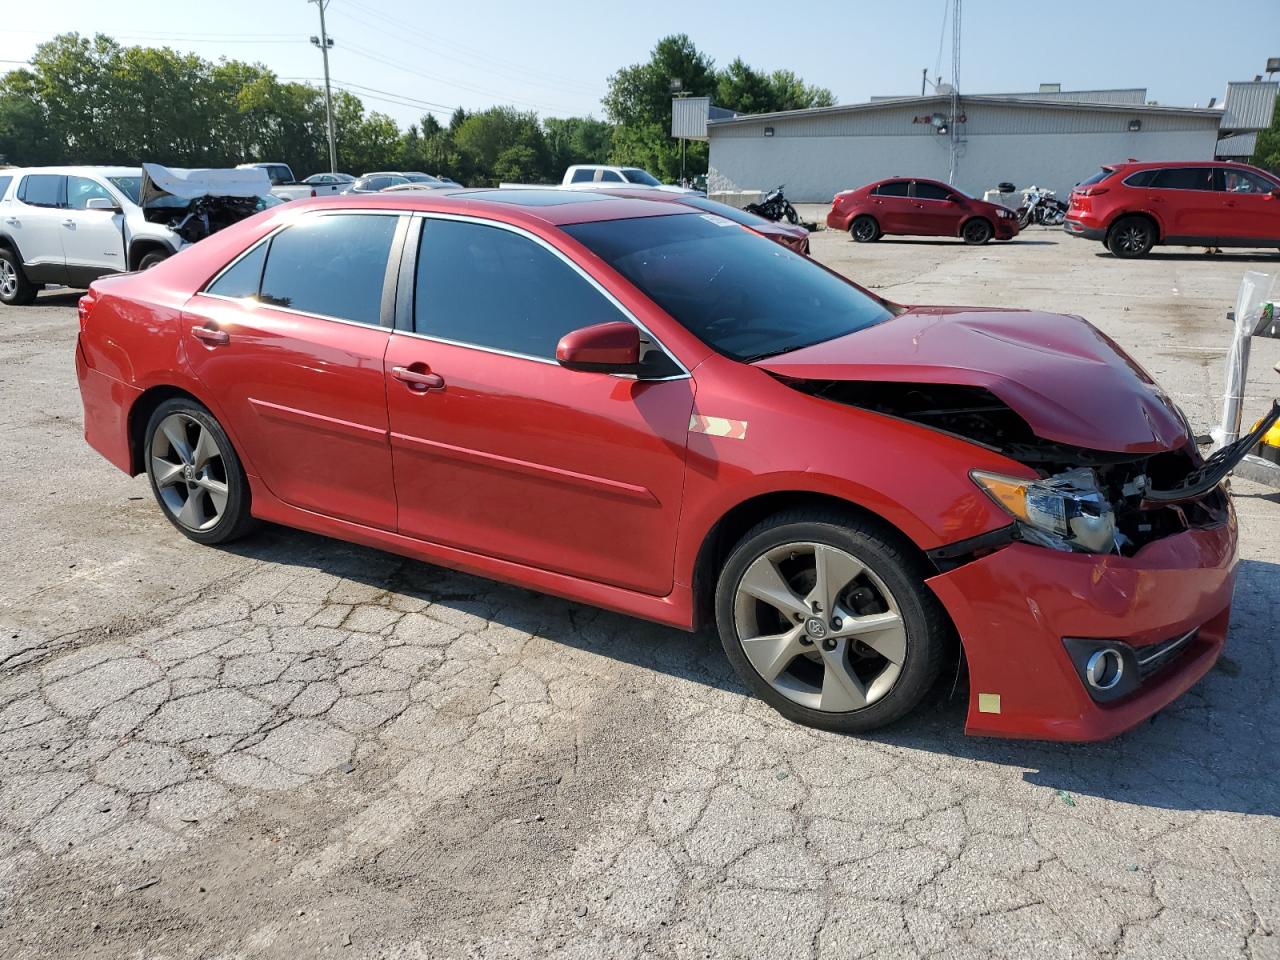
(4, 186)
(1141, 178)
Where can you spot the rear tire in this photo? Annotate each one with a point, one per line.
(15, 289)
(195, 473)
(881, 636)
(1131, 237)
(864, 229)
(977, 231)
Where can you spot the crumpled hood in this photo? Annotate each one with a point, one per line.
(159, 182)
(1070, 382)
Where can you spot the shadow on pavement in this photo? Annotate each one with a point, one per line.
(1213, 749)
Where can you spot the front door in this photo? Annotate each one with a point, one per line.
(290, 341)
(934, 213)
(92, 241)
(500, 451)
(1247, 207)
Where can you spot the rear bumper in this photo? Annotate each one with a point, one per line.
(106, 403)
(1013, 609)
(1079, 229)
(838, 221)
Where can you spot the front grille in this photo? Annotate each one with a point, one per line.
(1159, 655)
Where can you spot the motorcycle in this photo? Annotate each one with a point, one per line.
(1042, 207)
(774, 207)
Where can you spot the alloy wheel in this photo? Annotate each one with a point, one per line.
(864, 230)
(820, 627)
(189, 471)
(8, 279)
(977, 231)
(1131, 239)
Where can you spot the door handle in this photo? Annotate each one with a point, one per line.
(418, 381)
(69, 223)
(11, 221)
(211, 336)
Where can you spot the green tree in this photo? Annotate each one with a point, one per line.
(1267, 153)
(486, 137)
(573, 140)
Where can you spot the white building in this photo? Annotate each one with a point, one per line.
(1051, 138)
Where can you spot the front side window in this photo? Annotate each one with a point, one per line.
(80, 190)
(608, 176)
(1184, 178)
(490, 287)
(643, 177)
(741, 294)
(894, 188)
(931, 191)
(583, 176)
(333, 266)
(42, 190)
(1245, 181)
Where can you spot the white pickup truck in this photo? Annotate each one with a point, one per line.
(284, 186)
(588, 175)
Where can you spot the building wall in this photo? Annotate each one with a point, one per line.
(818, 155)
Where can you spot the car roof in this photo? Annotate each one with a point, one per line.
(511, 205)
(102, 171)
(1148, 164)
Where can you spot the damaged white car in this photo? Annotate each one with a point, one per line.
(71, 225)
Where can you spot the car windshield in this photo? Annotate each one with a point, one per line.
(131, 187)
(636, 175)
(744, 296)
(726, 211)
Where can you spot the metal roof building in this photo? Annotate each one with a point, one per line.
(1054, 139)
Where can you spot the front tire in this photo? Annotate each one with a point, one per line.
(151, 259)
(864, 229)
(977, 231)
(825, 617)
(15, 289)
(195, 473)
(1131, 237)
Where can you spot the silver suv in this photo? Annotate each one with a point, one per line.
(71, 225)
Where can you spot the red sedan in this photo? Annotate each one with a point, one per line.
(636, 405)
(919, 208)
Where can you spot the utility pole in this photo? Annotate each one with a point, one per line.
(924, 79)
(324, 43)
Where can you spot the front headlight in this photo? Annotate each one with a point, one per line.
(1004, 214)
(1067, 511)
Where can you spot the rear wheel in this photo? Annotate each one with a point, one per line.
(976, 231)
(15, 289)
(195, 474)
(827, 619)
(864, 229)
(1131, 237)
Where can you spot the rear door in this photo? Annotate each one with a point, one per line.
(1186, 202)
(289, 341)
(934, 213)
(891, 206)
(35, 223)
(498, 449)
(92, 240)
(1248, 208)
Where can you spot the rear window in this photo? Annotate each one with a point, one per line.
(583, 176)
(1097, 177)
(42, 190)
(726, 211)
(644, 177)
(742, 295)
(332, 266)
(894, 188)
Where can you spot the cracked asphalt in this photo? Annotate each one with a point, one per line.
(298, 747)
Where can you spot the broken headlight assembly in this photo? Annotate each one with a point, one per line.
(1067, 511)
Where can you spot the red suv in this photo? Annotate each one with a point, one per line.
(1131, 207)
(921, 208)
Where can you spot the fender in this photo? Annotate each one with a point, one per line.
(6, 238)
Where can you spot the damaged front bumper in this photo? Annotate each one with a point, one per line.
(1023, 611)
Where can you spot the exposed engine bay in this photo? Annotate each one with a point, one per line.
(1094, 501)
(196, 203)
(196, 219)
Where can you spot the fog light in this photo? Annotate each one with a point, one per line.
(1104, 669)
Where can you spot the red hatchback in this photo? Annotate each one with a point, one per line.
(920, 208)
(636, 405)
(1132, 207)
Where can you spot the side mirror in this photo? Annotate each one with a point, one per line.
(604, 348)
(1276, 192)
(101, 203)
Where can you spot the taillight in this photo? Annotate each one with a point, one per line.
(85, 305)
(1096, 191)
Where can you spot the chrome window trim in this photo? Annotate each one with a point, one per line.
(655, 342)
(280, 228)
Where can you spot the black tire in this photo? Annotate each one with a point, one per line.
(235, 520)
(1131, 237)
(1024, 217)
(15, 289)
(864, 229)
(793, 218)
(149, 260)
(977, 231)
(889, 557)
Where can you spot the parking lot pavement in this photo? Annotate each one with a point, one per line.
(297, 747)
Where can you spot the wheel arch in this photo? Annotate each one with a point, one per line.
(141, 246)
(1143, 214)
(976, 216)
(729, 529)
(140, 412)
(7, 241)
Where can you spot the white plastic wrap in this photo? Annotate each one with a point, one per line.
(1255, 290)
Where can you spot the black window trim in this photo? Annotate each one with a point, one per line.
(387, 312)
(408, 277)
(1214, 178)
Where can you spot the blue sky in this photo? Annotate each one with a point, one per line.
(403, 57)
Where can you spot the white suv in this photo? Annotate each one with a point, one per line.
(71, 225)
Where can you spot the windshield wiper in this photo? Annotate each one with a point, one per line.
(775, 353)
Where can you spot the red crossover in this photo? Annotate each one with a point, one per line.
(921, 208)
(1132, 207)
(635, 405)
